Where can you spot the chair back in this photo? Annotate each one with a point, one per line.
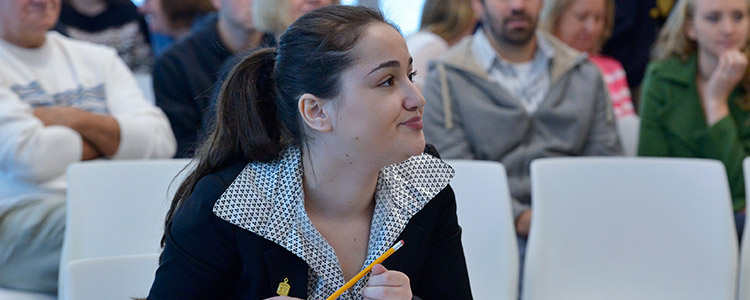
(488, 232)
(630, 228)
(744, 284)
(117, 208)
(117, 277)
(9, 294)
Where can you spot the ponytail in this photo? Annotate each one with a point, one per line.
(246, 125)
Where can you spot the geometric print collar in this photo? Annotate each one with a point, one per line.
(267, 199)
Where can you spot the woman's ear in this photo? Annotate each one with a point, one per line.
(314, 112)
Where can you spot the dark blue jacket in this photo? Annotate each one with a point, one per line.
(206, 257)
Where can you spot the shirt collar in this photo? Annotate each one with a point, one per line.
(268, 200)
(487, 57)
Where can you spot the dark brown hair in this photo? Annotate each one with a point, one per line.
(257, 114)
(182, 13)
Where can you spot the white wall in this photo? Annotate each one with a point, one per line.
(405, 13)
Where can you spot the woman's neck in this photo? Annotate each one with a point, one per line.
(337, 188)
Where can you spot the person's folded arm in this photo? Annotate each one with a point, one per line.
(31, 151)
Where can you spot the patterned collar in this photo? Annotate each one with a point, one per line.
(267, 199)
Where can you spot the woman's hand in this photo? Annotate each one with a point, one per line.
(387, 285)
(726, 76)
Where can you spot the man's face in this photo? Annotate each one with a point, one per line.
(512, 22)
(239, 13)
(19, 17)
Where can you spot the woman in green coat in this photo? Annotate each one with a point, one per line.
(695, 100)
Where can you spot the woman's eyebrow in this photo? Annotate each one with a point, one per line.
(390, 64)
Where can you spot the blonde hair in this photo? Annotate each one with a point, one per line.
(553, 10)
(674, 42)
(673, 39)
(273, 16)
(449, 19)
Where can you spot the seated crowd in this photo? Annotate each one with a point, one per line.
(330, 106)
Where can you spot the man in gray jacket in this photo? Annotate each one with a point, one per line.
(512, 94)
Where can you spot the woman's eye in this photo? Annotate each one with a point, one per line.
(713, 18)
(388, 82)
(412, 75)
(738, 16)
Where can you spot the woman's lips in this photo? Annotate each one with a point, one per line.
(414, 123)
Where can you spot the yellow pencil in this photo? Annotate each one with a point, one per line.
(362, 273)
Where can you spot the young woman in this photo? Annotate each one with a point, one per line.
(585, 25)
(315, 168)
(695, 93)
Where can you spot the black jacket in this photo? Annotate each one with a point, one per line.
(206, 257)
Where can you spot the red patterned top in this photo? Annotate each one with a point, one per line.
(619, 92)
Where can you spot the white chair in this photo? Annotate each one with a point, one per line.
(117, 208)
(8, 294)
(117, 278)
(744, 284)
(630, 228)
(629, 131)
(488, 235)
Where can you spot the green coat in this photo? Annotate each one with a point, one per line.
(673, 123)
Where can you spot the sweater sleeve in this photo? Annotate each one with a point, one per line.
(30, 151)
(443, 126)
(144, 129)
(603, 139)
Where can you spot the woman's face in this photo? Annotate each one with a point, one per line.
(297, 8)
(582, 24)
(719, 25)
(377, 116)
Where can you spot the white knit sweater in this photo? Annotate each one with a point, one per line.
(65, 72)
